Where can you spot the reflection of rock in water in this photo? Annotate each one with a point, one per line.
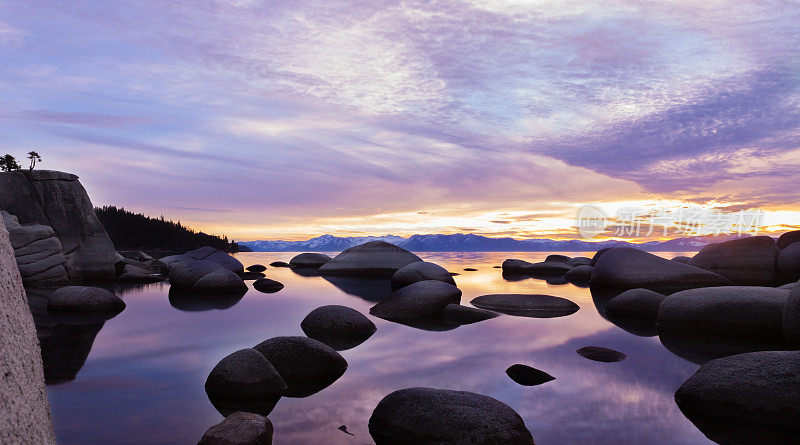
(64, 351)
(601, 297)
(305, 271)
(123, 288)
(193, 302)
(700, 348)
(370, 289)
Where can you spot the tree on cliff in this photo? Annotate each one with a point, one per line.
(34, 157)
(8, 163)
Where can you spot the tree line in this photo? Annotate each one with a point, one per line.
(135, 231)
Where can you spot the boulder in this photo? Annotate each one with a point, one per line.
(256, 268)
(528, 376)
(421, 299)
(279, 264)
(788, 263)
(217, 256)
(440, 416)
(526, 305)
(240, 428)
(600, 354)
(791, 317)
(580, 261)
(184, 274)
(516, 267)
(375, 258)
(460, 315)
(629, 268)
(598, 254)
(682, 259)
(420, 271)
(243, 379)
(267, 286)
(470, 269)
(635, 303)
(745, 398)
(787, 239)
(306, 365)
(747, 311)
(82, 299)
(582, 273)
(745, 261)
(339, 327)
(557, 258)
(548, 269)
(220, 281)
(309, 260)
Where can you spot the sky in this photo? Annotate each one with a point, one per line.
(291, 119)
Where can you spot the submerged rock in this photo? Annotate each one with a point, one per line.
(245, 379)
(600, 354)
(419, 300)
(629, 268)
(470, 269)
(439, 416)
(306, 365)
(372, 259)
(279, 264)
(746, 398)
(339, 327)
(309, 260)
(256, 268)
(527, 305)
(420, 271)
(240, 428)
(745, 261)
(528, 376)
(267, 286)
(460, 315)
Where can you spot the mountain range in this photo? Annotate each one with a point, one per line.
(461, 242)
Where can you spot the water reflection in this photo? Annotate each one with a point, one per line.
(194, 302)
(143, 379)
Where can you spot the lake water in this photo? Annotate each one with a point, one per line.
(142, 381)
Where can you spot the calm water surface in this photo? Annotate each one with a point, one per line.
(142, 381)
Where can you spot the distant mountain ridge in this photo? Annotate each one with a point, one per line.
(461, 242)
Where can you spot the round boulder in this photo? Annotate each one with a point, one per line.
(306, 365)
(375, 259)
(788, 263)
(439, 416)
(240, 428)
(85, 300)
(791, 317)
(418, 300)
(581, 274)
(220, 281)
(243, 379)
(555, 258)
(526, 305)
(332, 323)
(309, 260)
(267, 286)
(514, 266)
(580, 261)
(420, 271)
(635, 303)
(184, 274)
(745, 261)
(787, 239)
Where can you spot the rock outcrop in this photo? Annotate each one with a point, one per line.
(24, 408)
(58, 200)
(37, 252)
(372, 259)
(745, 261)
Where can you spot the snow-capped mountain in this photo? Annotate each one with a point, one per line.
(461, 242)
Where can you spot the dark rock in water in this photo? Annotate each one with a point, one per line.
(220, 281)
(245, 376)
(370, 289)
(579, 274)
(556, 281)
(497, 267)
(682, 259)
(372, 259)
(433, 323)
(252, 275)
(460, 315)
(788, 263)
(418, 300)
(85, 300)
(343, 429)
(129, 277)
(746, 398)
(309, 260)
(306, 365)
(700, 348)
(557, 259)
(790, 320)
(745, 261)
(746, 311)
(548, 269)
(256, 268)
(420, 271)
(635, 303)
(787, 239)
(513, 266)
(600, 354)
(598, 254)
(216, 256)
(527, 376)
(267, 286)
(279, 264)
(441, 416)
(470, 269)
(339, 327)
(240, 428)
(188, 301)
(527, 305)
(183, 274)
(629, 268)
(454, 274)
(580, 261)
